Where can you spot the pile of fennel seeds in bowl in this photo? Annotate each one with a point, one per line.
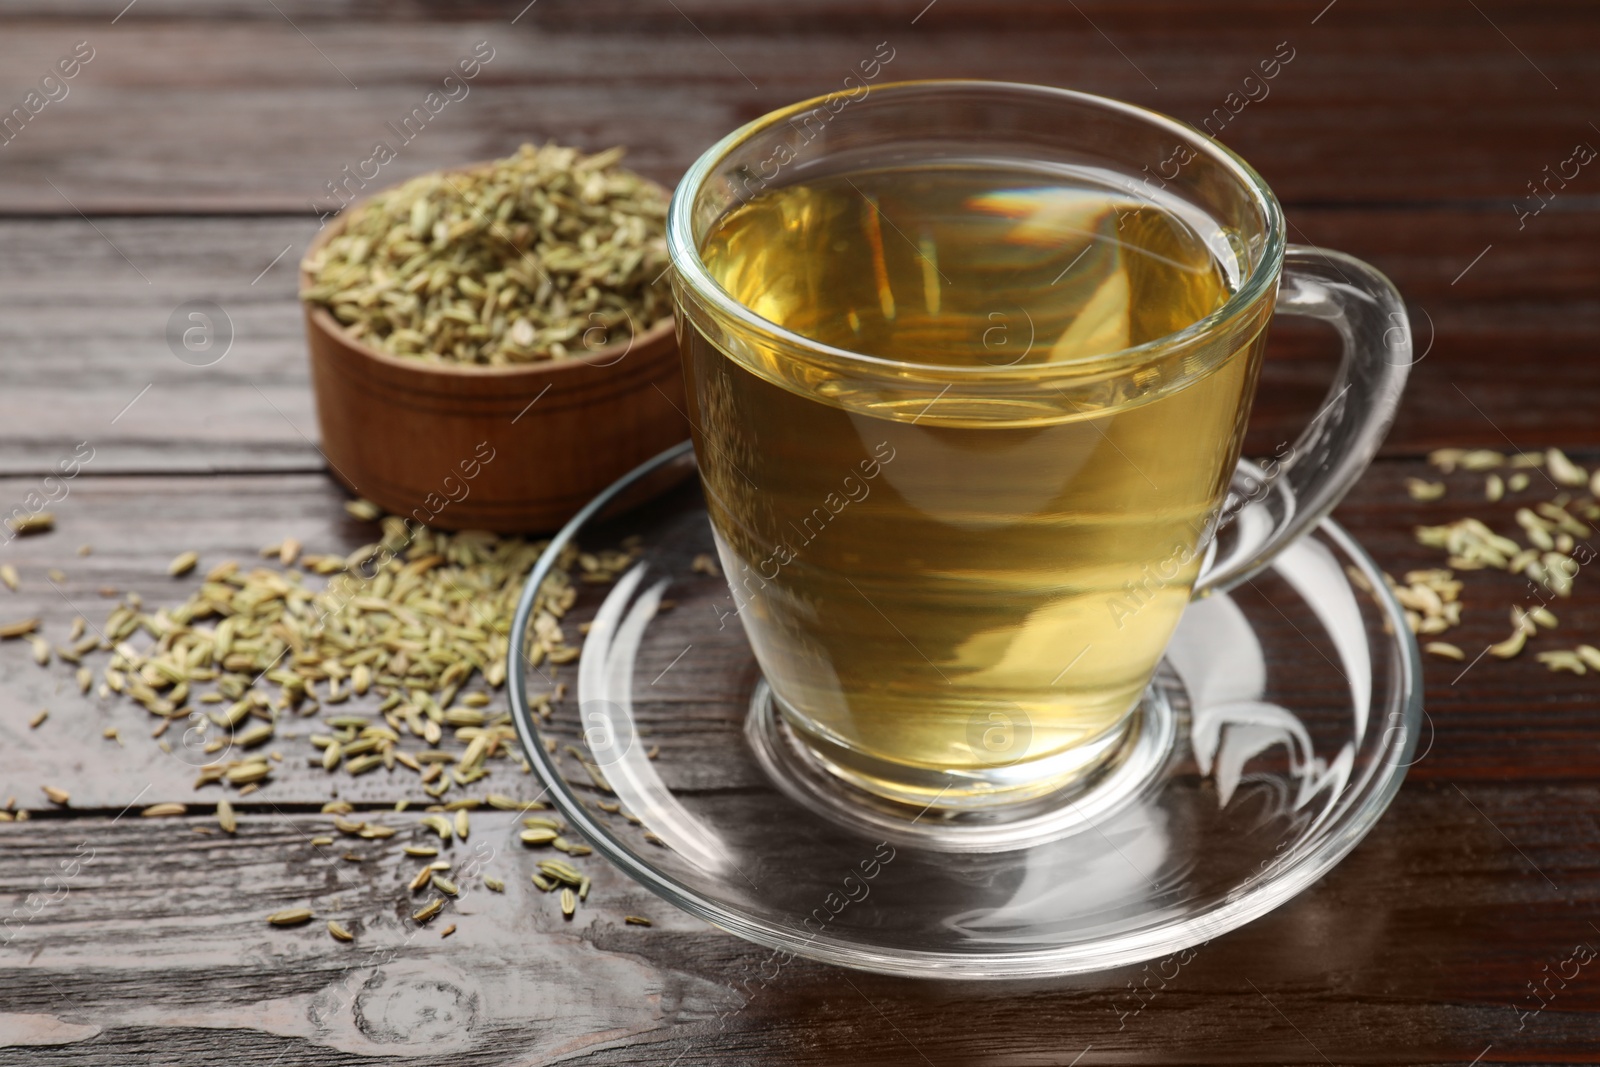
(544, 255)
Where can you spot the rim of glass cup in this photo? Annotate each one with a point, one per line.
(689, 270)
(1370, 796)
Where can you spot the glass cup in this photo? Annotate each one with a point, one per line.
(960, 505)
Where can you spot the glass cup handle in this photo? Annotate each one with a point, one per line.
(1291, 493)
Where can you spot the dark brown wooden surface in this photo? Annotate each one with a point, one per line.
(188, 155)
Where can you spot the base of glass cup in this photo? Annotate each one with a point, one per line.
(998, 783)
(1043, 801)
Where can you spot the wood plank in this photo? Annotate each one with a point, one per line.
(181, 917)
(1496, 722)
(1501, 316)
(86, 355)
(133, 524)
(1418, 948)
(1375, 106)
(73, 310)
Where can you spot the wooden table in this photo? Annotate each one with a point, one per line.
(187, 162)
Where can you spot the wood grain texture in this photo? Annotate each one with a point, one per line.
(198, 142)
(82, 335)
(1431, 104)
(1501, 719)
(1417, 949)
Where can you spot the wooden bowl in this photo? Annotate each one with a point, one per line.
(506, 448)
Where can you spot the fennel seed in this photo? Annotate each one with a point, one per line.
(290, 917)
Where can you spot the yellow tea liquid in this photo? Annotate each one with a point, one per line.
(954, 593)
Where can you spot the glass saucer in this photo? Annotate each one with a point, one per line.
(1277, 731)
